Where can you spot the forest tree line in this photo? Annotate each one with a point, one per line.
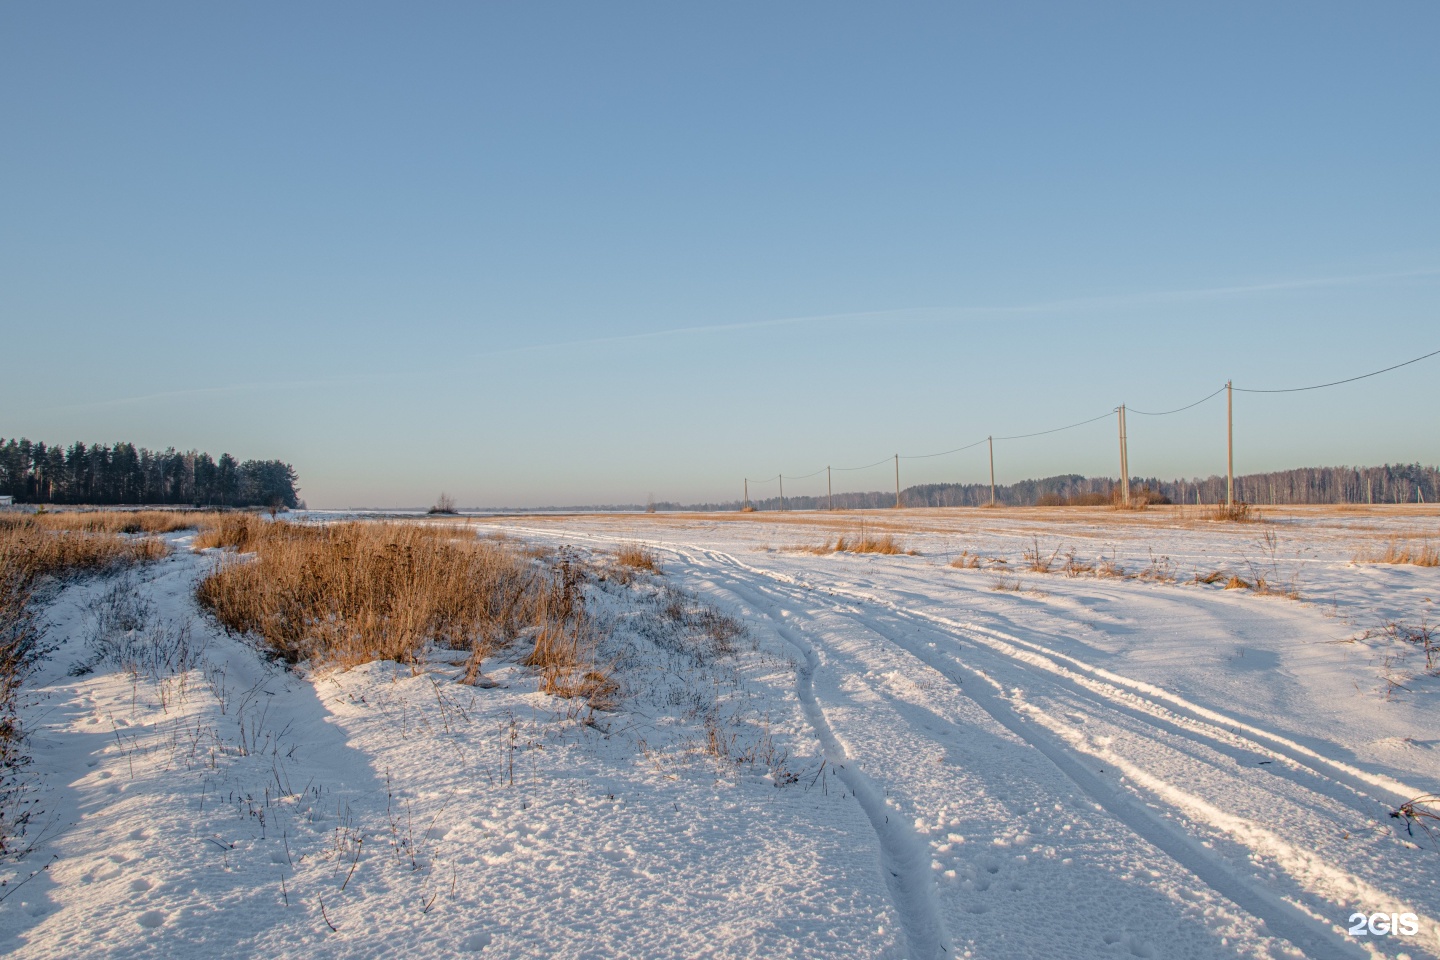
(122, 473)
(1391, 483)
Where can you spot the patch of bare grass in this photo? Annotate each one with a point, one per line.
(119, 521)
(1402, 550)
(864, 542)
(350, 593)
(637, 556)
(1237, 512)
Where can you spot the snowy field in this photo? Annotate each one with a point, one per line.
(888, 756)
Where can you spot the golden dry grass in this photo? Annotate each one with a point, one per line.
(637, 556)
(884, 543)
(117, 521)
(31, 549)
(350, 593)
(1402, 550)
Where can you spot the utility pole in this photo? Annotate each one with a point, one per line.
(897, 481)
(829, 491)
(991, 440)
(747, 492)
(1229, 445)
(782, 493)
(1124, 460)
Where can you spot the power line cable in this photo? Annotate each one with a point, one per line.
(866, 467)
(926, 456)
(1041, 433)
(1336, 383)
(1166, 413)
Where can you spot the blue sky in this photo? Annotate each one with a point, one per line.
(550, 253)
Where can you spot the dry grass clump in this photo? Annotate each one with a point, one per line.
(966, 561)
(350, 593)
(637, 556)
(30, 549)
(1035, 559)
(864, 542)
(1402, 550)
(238, 530)
(1237, 512)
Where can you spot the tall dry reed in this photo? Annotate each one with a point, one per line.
(118, 521)
(349, 593)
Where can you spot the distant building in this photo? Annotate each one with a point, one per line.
(6, 500)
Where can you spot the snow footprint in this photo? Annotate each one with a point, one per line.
(475, 942)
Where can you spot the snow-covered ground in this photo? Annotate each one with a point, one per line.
(896, 758)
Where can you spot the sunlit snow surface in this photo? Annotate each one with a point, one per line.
(1070, 766)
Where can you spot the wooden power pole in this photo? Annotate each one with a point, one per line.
(829, 491)
(782, 493)
(1124, 461)
(897, 481)
(747, 492)
(1229, 445)
(991, 441)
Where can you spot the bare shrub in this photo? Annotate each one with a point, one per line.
(22, 645)
(1035, 559)
(444, 504)
(1107, 567)
(1419, 812)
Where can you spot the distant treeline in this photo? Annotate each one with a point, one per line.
(1391, 483)
(123, 473)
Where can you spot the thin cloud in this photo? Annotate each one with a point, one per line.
(918, 314)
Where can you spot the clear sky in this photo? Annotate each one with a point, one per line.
(581, 253)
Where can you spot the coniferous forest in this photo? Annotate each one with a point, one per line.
(123, 473)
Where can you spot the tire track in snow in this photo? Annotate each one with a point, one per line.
(904, 856)
(1151, 698)
(1315, 934)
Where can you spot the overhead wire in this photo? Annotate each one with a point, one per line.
(1041, 433)
(1336, 383)
(1166, 413)
(1107, 414)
